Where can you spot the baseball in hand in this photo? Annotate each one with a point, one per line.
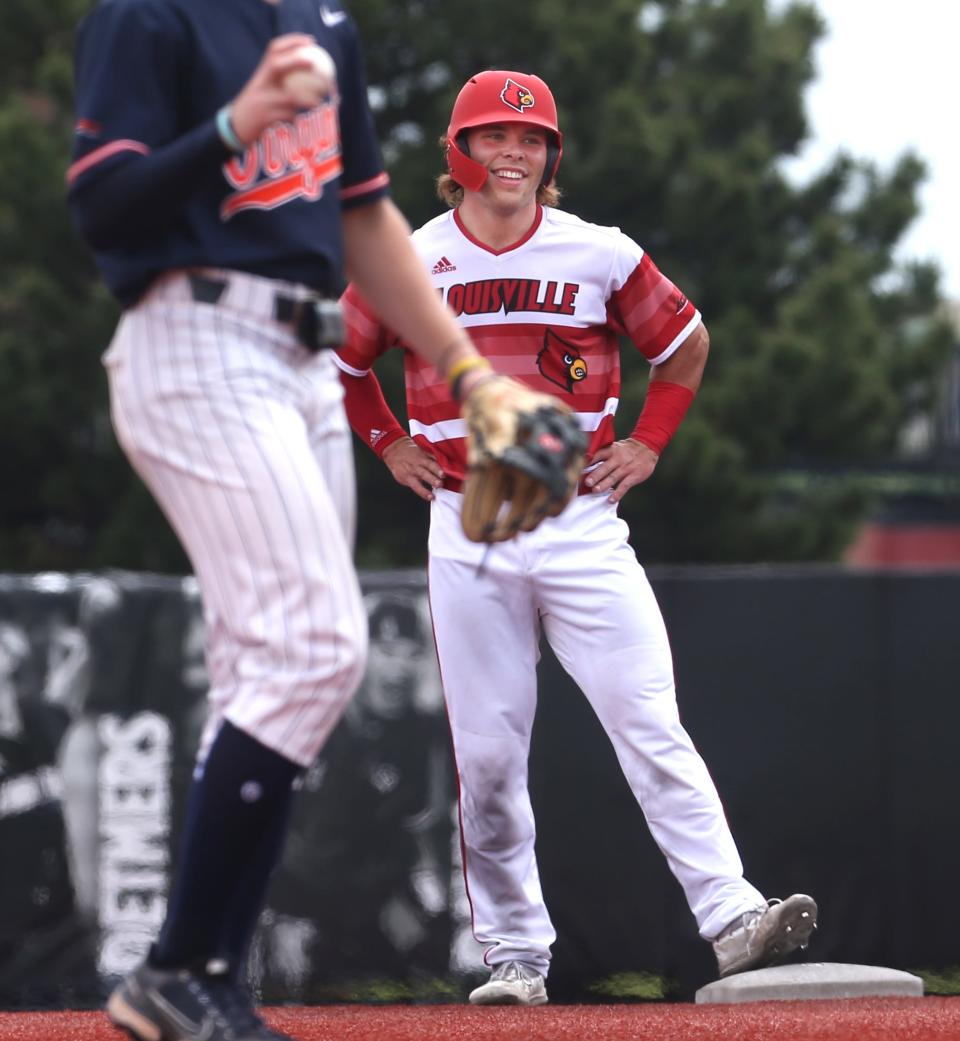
(310, 86)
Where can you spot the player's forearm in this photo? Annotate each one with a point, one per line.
(671, 391)
(387, 271)
(368, 413)
(126, 198)
(685, 366)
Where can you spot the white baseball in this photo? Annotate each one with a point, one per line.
(309, 86)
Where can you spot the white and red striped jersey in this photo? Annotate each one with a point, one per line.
(548, 310)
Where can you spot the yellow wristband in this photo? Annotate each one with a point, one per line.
(473, 361)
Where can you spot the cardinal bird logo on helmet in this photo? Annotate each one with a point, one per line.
(517, 97)
(560, 362)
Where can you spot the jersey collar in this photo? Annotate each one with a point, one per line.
(530, 232)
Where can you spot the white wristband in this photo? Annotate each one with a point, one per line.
(227, 134)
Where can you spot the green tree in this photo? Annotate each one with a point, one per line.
(68, 498)
(678, 115)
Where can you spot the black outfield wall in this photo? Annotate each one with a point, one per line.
(825, 703)
(827, 707)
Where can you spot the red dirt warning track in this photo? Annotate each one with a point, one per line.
(872, 1019)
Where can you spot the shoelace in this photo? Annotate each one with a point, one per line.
(755, 916)
(510, 971)
(747, 922)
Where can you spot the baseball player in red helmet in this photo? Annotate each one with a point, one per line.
(546, 297)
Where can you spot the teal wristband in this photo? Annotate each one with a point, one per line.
(227, 134)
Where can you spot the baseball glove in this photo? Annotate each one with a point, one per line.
(524, 458)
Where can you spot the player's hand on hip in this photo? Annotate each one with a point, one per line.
(413, 467)
(622, 465)
(263, 99)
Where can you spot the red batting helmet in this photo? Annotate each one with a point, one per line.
(499, 96)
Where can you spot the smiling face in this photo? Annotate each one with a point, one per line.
(515, 155)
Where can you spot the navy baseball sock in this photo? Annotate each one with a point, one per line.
(245, 788)
(250, 894)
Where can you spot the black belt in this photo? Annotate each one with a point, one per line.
(317, 320)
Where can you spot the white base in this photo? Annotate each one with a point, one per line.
(811, 981)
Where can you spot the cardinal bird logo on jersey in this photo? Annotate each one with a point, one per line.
(560, 362)
(517, 97)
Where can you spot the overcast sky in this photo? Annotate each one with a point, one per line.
(889, 79)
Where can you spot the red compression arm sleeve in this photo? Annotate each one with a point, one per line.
(368, 413)
(665, 407)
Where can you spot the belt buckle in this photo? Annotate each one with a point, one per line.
(317, 321)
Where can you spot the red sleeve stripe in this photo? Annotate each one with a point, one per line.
(100, 154)
(677, 340)
(380, 181)
(642, 295)
(360, 321)
(366, 337)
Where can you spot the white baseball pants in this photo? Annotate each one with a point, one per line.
(239, 433)
(577, 576)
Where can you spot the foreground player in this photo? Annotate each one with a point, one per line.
(212, 198)
(545, 297)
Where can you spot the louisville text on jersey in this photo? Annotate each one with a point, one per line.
(511, 295)
(289, 161)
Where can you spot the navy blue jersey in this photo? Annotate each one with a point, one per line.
(152, 187)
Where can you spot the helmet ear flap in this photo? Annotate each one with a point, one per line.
(553, 161)
(463, 169)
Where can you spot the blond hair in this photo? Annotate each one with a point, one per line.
(451, 191)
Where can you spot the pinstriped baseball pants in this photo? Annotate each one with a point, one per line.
(239, 433)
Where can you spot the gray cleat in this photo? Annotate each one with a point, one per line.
(762, 937)
(180, 1005)
(511, 983)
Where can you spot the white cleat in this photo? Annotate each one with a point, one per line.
(511, 983)
(767, 935)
